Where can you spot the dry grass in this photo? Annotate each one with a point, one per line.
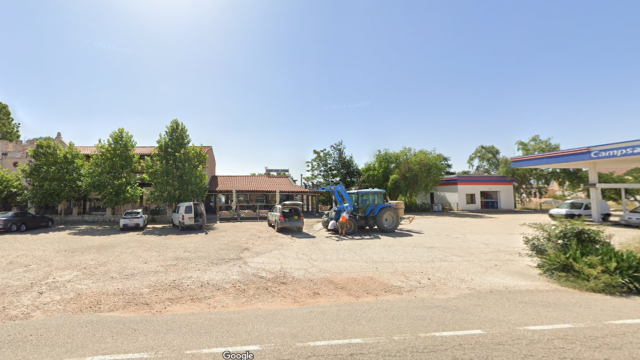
(633, 245)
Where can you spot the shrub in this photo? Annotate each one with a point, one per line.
(414, 207)
(582, 257)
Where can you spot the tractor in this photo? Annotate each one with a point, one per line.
(367, 207)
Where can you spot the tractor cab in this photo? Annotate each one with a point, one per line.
(364, 199)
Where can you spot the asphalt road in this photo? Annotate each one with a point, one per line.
(537, 324)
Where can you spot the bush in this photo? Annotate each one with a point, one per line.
(582, 257)
(414, 207)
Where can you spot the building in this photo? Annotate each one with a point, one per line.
(472, 192)
(14, 153)
(253, 195)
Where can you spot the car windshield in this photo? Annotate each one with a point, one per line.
(571, 205)
(634, 211)
(5, 214)
(132, 213)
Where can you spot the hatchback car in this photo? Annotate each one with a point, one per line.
(133, 219)
(286, 215)
(22, 220)
(631, 218)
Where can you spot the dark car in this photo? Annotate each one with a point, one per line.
(286, 215)
(22, 220)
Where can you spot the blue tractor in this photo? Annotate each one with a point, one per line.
(367, 208)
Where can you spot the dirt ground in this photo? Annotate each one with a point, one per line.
(78, 269)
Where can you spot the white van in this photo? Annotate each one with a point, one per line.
(189, 214)
(574, 209)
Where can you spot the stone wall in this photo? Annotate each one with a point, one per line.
(101, 218)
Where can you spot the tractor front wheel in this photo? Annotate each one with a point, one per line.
(352, 226)
(388, 219)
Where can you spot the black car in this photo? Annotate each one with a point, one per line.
(22, 220)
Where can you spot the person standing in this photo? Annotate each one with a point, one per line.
(342, 224)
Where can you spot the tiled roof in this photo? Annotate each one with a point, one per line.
(221, 183)
(139, 150)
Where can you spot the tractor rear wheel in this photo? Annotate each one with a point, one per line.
(388, 219)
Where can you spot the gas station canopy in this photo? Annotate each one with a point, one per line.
(620, 155)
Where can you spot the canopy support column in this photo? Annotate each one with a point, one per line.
(594, 193)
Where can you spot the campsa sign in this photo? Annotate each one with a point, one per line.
(615, 152)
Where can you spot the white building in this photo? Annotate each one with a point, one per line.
(473, 192)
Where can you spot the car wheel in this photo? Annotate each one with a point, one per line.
(23, 227)
(606, 217)
(49, 223)
(180, 227)
(120, 228)
(13, 227)
(268, 223)
(299, 229)
(275, 225)
(201, 227)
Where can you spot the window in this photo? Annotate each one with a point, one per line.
(188, 209)
(471, 199)
(587, 206)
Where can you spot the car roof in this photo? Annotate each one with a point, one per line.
(292, 203)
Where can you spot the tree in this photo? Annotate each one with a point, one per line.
(9, 129)
(11, 188)
(333, 166)
(113, 170)
(405, 173)
(485, 160)
(54, 174)
(176, 168)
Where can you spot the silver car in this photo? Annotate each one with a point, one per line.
(631, 218)
(286, 215)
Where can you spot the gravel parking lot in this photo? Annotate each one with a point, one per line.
(93, 268)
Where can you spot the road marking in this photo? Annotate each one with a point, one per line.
(221, 350)
(454, 333)
(549, 327)
(120, 357)
(335, 342)
(402, 337)
(629, 321)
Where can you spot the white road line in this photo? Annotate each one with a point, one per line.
(403, 337)
(334, 342)
(629, 321)
(221, 350)
(454, 333)
(120, 357)
(549, 327)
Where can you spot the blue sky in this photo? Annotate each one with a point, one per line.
(266, 82)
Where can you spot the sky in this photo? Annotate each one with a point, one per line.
(267, 82)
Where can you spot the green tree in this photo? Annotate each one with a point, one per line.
(9, 129)
(11, 188)
(485, 160)
(113, 170)
(333, 166)
(176, 167)
(54, 174)
(405, 173)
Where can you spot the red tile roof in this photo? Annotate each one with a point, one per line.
(228, 183)
(139, 150)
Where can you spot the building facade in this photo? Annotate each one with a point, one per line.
(472, 192)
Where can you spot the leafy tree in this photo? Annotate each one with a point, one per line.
(54, 174)
(113, 170)
(176, 167)
(405, 173)
(9, 129)
(333, 166)
(42, 138)
(485, 160)
(11, 188)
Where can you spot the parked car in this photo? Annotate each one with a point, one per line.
(133, 219)
(189, 214)
(632, 217)
(286, 215)
(573, 209)
(22, 220)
